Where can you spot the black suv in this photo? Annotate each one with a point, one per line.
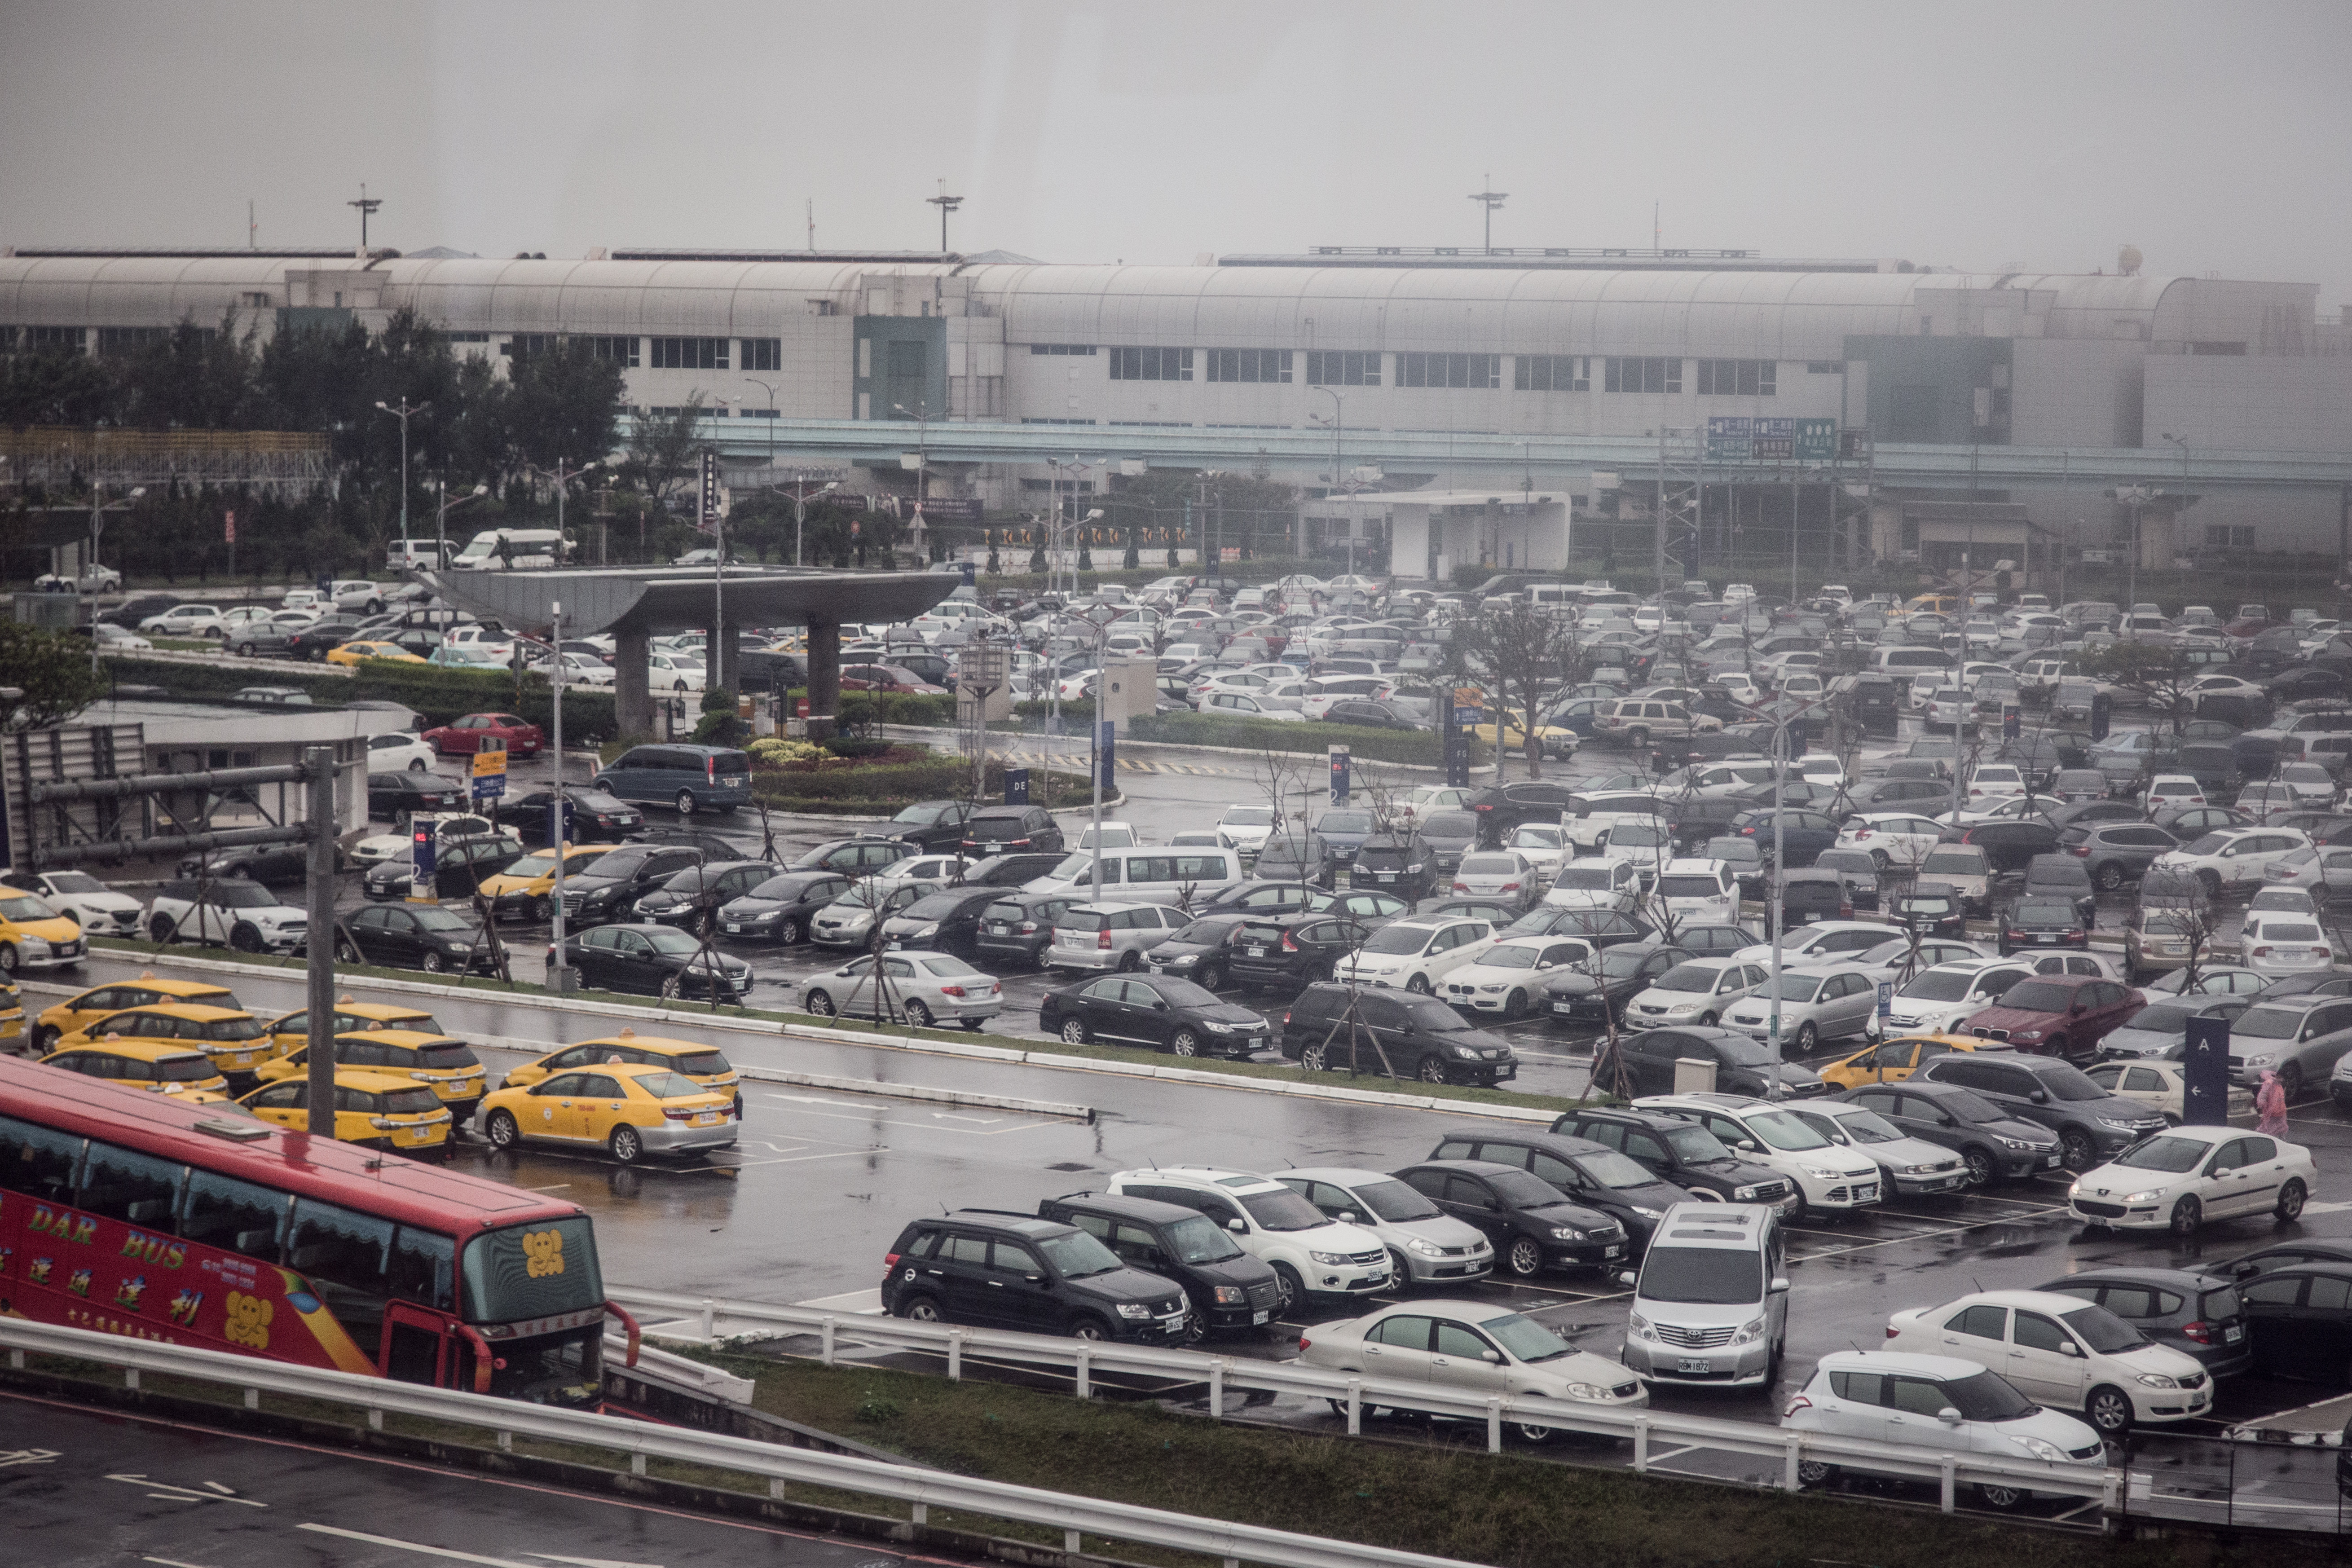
(1018, 927)
(1664, 1146)
(934, 826)
(615, 880)
(2062, 876)
(947, 921)
(391, 796)
(780, 909)
(2116, 852)
(1533, 1228)
(1499, 810)
(1395, 863)
(1200, 951)
(1742, 1066)
(1295, 950)
(1011, 827)
(1992, 1143)
(1579, 995)
(1589, 1173)
(1422, 1037)
(2009, 846)
(2092, 1125)
(1231, 1291)
(1005, 1270)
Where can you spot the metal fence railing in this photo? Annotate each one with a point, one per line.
(2291, 1483)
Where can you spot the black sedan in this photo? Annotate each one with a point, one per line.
(1933, 908)
(1371, 716)
(1988, 1141)
(1585, 1171)
(1401, 865)
(2298, 1322)
(1290, 951)
(944, 921)
(1157, 1011)
(780, 909)
(1602, 928)
(414, 936)
(319, 638)
(598, 815)
(932, 826)
(1577, 996)
(690, 900)
(2038, 924)
(657, 960)
(1532, 1226)
(1199, 952)
(2194, 1311)
(274, 865)
(391, 796)
(1804, 832)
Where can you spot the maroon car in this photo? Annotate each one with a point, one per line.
(2056, 1015)
(467, 734)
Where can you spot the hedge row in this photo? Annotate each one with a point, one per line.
(1272, 734)
(440, 695)
(885, 788)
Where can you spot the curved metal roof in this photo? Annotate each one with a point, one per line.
(655, 600)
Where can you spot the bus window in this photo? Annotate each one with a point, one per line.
(424, 1269)
(533, 1271)
(237, 1216)
(342, 1253)
(37, 1162)
(120, 1184)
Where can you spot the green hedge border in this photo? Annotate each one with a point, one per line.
(440, 695)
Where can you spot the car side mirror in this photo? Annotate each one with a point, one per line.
(2040, 1096)
(1237, 1227)
(1747, 1145)
(2068, 1347)
(1949, 1416)
(1492, 1358)
(1780, 1284)
(1626, 1277)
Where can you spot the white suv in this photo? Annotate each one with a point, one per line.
(2236, 858)
(1311, 1254)
(242, 914)
(1936, 999)
(1416, 953)
(1829, 1177)
(1700, 892)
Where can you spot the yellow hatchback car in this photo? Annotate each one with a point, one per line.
(236, 1041)
(630, 1111)
(373, 1109)
(291, 1031)
(12, 1011)
(446, 1066)
(76, 1014)
(706, 1065)
(526, 889)
(151, 1065)
(354, 652)
(1892, 1061)
(35, 936)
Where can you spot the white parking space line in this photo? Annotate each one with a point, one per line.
(418, 1547)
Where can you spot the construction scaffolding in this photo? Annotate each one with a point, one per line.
(284, 462)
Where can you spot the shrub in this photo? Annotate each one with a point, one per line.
(777, 749)
(840, 746)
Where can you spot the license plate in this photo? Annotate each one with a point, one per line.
(998, 927)
(1257, 952)
(1612, 1251)
(734, 929)
(1257, 1318)
(2045, 939)
(1388, 876)
(1865, 1194)
(1693, 1363)
(1563, 1008)
(1157, 969)
(707, 1119)
(2230, 1336)
(2048, 1161)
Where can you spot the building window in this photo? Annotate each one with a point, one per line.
(1061, 487)
(2221, 536)
(474, 338)
(258, 300)
(1087, 349)
(689, 354)
(1737, 377)
(1825, 367)
(56, 340)
(525, 344)
(757, 414)
(1030, 421)
(1644, 374)
(1551, 372)
(1343, 367)
(1450, 369)
(1151, 364)
(1249, 365)
(622, 351)
(763, 353)
(114, 341)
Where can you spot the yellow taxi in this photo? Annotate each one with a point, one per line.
(373, 1109)
(1555, 740)
(35, 936)
(354, 652)
(235, 1041)
(446, 1066)
(12, 1011)
(1892, 1061)
(78, 1013)
(291, 1031)
(1941, 604)
(151, 1064)
(706, 1065)
(629, 1110)
(526, 889)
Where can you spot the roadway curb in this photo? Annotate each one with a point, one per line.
(918, 1092)
(631, 1014)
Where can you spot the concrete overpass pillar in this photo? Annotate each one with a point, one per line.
(824, 678)
(720, 650)
(632, 696)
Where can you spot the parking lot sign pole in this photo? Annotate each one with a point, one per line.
(319, 937)
(2205, 1073)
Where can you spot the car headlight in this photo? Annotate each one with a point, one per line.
(1329, 1259)
(2020, 1144)
(1217, 1028)
(1746, 1195)
(2119, 1124)
(1490, 989)
(1469, 1052)
(1136, 1309)
(2148, 1196)
(1426, 1249)
(1917, 1169)
(2041, 1449)
(1582, 1391)
(1749, 1333)
(2158, 1380)
(1649, 1213)
(1230, 1296)
(2263, 1059)
(1640, 1328)
(930, 929)
(2027, 1034)
(1822, 1172)
(1409, 871)
(1566, 1233)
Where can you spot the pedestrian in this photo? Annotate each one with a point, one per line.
(2270, 1100)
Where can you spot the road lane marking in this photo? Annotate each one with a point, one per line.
(172, 1562)
(590, 1562)
(165, 1491)
(420, 1547)
(29, 1456)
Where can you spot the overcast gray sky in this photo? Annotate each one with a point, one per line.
(2217, 137)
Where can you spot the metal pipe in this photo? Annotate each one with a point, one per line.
(163, 783)
(115, 851)
(319, 762)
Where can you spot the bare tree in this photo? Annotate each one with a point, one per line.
(1522, 650)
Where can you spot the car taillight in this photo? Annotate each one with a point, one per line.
(1305, 1344)
(1290, 943)
(951, 991)
(1285, 1017)
(1016, 844)
(1461, 887)
(1798, 1403)
(1511, 887)
(1892, 1331)
(675, 1113)
(2260, 952)
(2201, 1333)
(1102, 940)
(889, 1261)
(1028, 928)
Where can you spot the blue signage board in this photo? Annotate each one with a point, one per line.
(491, 786)
(2205, 1073)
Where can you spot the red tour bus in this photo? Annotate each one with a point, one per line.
(132, 1213)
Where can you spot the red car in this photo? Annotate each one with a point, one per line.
(887, 678)
(2056, 1015)
(466, 735)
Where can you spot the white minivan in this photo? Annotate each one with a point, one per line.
(1711, 1302)
(513, 550)
(1146, 874)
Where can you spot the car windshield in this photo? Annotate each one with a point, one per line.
(1397, 939)
(1185, 994)
(2039, 997)
(671, 1085)
(1449, 825)
(224, 895)
(410, 1102)
(2287, 931)
(1248, 816)
(1612, 1169)
(26, 908)
(1622, 963)
(1592, 877)
(2045, 911)
(188, 1068)
(1694, 1145)
(1282, 1209)
(1197, 1239)
(433, 918)
(1078, 1254)
(1525, 1339)
(2211, 844)
(2166, 1017)
(1704, 1275)
(1689, 977)
(2103, 1331)
(1794, 988)
(231, 1029)
(1955, 865)
(1392, 1200)
(2169, 1153)
(1697, 887)
(668, 939)
(1938, 986)
(922, 815)
(1988, 1396)
(1345, 822)
(76, 882)
(539, 865)
(1512, 956)
(2066, 1082)
(1781, 1131)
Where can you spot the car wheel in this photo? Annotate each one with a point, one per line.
(686, 803)
(1075, 1032)
(161, 928)
(2109, 1410)
(2110, 877)
(1211, 976)
(1878, 858)
(2187, 1215)
(791, 933)
(627, 1147)
(1808, 1036)
(1983, 1169)
(2290, 1078)
(1515, 1005)
(1524, 1257)
(1813, 1473)
(416, 766)
(1430, 1069)
(1637, 738)
(1184, 1043)
(920, 1310)
(2000, 1498)
(1314, 1057)
(918, 1015)
(502, 1130)
(1400, 1277)
(1287, 1291)
(2080, 1153)
(1530, 1433)
(244, 650)
(2211, 883)
(345, 952)
(542, 909)
(821, 1004)
(243, 937)
(432, 964)
(1129, 962)
(1090, 1328)
(1706, 1020)
(1420, 986)
(45, 1038)
(2290, 1202)
(974, 1024)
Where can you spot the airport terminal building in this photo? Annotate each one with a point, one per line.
(1404, 348)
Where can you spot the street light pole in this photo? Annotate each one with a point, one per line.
(441, 518)
(558, 973)
(1775, 912)
(97, 511)
(402, 413)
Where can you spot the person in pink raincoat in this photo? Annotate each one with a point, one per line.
(2270, 1101)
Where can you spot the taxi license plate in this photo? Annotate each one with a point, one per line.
(2230, 1336)
(707, 1119)
(1693, 1363)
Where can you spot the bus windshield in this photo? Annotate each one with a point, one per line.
(533, 1270)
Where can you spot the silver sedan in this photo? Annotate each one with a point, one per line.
(1910, 1167)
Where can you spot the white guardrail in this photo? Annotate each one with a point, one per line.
(1087, 1359)
(923, 1489)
